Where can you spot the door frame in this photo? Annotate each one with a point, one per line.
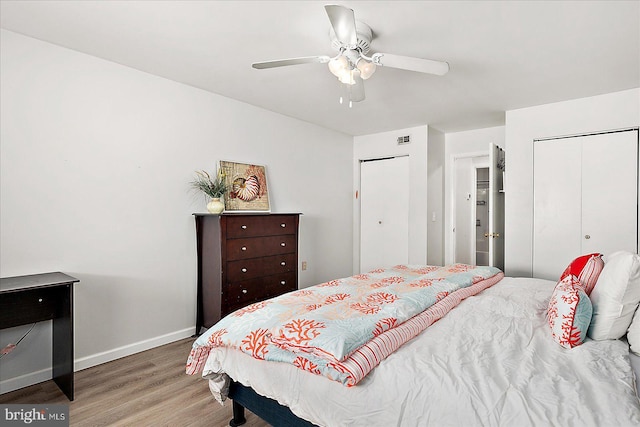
(450, 254)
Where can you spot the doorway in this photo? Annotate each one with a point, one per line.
(477, 208)
(466, 223)
(482, 217)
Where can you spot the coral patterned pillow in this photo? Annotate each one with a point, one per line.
(586, 268)
(569, 312)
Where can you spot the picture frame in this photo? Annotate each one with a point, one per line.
(247, 189)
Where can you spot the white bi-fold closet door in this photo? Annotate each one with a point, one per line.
(384, 212)
(585, 198)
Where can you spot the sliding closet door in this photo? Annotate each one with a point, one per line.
(384, 213)
(585, 198)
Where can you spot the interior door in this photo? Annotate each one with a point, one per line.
(496, 206)
(384, 213)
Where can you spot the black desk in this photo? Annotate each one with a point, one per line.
(38, 297)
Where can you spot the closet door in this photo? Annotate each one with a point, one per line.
(384, 213)
(610, 192)
(585, 199)
(557, 206)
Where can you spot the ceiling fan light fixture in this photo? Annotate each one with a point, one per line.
(338, 65)
(347, 77)
(366, 68)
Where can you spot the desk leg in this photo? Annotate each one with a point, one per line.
(63, 343)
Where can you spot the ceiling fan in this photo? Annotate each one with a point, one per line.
(351, 65)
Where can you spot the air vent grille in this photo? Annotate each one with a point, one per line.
(406, 139)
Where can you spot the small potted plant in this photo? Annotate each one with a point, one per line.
(213, 188)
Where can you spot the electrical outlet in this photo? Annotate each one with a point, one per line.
(304, 265)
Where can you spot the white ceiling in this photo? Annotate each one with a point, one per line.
(503, 55)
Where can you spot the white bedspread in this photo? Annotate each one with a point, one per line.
(490, 362)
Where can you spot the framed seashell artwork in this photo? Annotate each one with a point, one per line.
(246, 187)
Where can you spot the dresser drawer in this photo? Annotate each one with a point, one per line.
(31, 305)
(278, 285)
(255, 247)
(260, 225)
(240, 270)
(249, 291)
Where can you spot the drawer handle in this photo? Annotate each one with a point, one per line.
(244, 248)
(244, 270)
(283, 282)
(244, 291)
(244, 227)
(283, 263)
(283, 244)
(283, 225)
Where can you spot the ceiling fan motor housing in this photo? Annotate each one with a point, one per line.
(364, 36)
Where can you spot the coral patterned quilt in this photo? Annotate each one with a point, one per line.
(343, 328)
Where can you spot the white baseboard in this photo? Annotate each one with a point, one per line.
(25, 380)
(32, 378)
(127, 350)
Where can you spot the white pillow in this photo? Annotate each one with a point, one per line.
(633, 334)
(616, 296)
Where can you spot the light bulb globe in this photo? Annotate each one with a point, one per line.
(338, 65)
(366, 69)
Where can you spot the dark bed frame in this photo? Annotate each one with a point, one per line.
(267, 409)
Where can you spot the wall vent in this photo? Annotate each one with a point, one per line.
(406, 139)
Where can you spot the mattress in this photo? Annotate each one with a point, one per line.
(490, 362)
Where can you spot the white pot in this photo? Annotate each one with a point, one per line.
(215, 206)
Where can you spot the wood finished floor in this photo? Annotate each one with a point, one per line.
(144, 389)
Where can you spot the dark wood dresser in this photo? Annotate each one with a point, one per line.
(242, 259)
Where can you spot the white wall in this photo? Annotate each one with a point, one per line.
(382, 145)
(95, 164)
(463, 144)
(605, 112)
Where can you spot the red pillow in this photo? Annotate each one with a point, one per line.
(586, 268)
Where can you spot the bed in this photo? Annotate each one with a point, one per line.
(489, 361)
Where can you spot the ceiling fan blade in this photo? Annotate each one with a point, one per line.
(420, 65)
(343, 22)
(292, 61)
